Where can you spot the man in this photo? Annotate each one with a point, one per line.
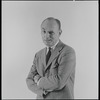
(53, 71)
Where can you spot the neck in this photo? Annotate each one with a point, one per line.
(53, 47)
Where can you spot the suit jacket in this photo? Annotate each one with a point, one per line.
(57, 77)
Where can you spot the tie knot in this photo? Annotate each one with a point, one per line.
(50, 48)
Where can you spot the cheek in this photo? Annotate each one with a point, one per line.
(43, 36)
(56, 37)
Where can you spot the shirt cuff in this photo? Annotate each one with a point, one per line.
(38, 81)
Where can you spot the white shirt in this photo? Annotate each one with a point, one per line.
(53, 47)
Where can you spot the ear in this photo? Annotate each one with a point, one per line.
(60, 31)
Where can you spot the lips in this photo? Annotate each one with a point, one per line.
(49, 40)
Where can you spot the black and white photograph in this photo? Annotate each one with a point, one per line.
(49, 49)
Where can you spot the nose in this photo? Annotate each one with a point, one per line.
(47, 35)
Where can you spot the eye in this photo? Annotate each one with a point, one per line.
(44, 31)
(51, 33)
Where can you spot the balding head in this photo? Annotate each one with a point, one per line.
(51, 31)
(53, 19)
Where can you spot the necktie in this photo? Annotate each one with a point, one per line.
(48, 55)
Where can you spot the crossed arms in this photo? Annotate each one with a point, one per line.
(57, 79)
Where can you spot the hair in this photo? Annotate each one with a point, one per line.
(51, 18)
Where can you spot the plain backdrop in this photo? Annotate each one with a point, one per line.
(21, 39)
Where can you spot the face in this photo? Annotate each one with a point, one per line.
(50, 32)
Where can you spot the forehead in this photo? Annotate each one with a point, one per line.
(50, 25)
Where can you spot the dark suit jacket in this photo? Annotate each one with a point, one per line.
(57, 76)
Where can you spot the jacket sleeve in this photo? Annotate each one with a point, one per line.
(30, 79)
(60, 74)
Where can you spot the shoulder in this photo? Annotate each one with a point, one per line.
(38, 53)
(67, 50)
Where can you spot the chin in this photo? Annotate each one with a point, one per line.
(50, 45)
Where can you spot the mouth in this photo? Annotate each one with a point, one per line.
(48, 40)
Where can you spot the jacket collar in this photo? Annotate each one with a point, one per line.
(54, 54)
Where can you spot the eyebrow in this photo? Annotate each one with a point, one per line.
(48, 31)
(43, 28)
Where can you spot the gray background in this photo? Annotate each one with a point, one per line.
(21, 39)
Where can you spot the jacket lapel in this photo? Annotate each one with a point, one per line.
(55, 53)
(43, 57)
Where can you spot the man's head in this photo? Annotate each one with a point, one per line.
(51, 31)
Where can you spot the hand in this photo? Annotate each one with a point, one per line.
(45, 92)
(36, 78)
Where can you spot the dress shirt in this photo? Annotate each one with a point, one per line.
(53, 47)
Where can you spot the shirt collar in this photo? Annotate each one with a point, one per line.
(53, 47)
